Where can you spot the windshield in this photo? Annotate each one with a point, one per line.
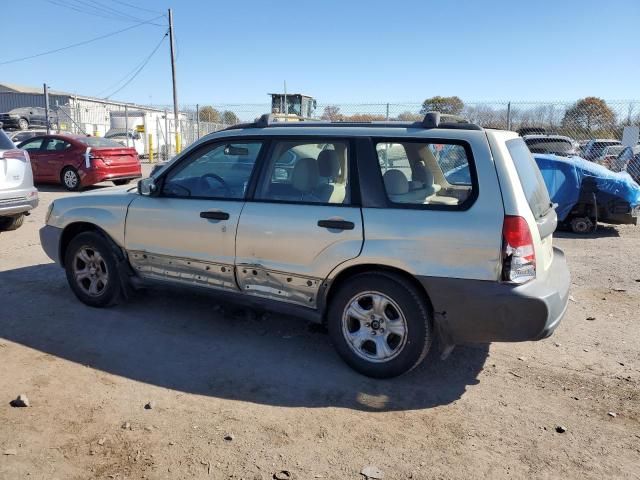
(530, 177)
(96, 142)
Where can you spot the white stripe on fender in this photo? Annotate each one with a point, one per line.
(87, 159)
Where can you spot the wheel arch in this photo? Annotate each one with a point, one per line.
(331, 287)
(73, 230)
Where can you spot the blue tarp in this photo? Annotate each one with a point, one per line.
(564, 177)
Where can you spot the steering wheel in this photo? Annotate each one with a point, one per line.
(217, 178)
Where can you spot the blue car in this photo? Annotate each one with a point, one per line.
(588, 193)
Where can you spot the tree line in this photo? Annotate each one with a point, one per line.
(588, 117)
(209, 114)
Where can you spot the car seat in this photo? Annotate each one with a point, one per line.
(329, 191)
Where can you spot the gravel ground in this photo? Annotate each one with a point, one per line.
(276, 390)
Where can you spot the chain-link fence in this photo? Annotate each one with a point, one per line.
(156, 134)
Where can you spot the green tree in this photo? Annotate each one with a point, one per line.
(589, 113)
(447, 105)
(229, 118)
(209, 114)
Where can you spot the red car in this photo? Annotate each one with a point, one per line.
(78, 161)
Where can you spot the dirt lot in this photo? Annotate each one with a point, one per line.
(289, 403)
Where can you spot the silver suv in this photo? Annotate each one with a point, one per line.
(17, 194)
(392, 234)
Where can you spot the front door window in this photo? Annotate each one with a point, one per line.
(218, 171)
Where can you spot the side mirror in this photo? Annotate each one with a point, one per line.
(147, 187)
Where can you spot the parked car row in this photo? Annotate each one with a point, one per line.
(74, 161)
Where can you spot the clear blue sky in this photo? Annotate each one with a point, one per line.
(337, 50)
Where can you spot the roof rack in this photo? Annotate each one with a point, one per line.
(430, 120)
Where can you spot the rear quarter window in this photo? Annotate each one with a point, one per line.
(530, 177)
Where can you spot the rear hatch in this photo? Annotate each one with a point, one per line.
(13, 164)
(537, 197)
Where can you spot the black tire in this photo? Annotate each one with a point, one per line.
(23, 124)
(111, 290)
(11, 223)
(413, 307)
(67, 177)
(121, 182)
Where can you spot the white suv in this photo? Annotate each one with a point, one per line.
(392, 234)
(18, 196)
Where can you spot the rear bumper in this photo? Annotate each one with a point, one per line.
(18, 201)
(50, 242)
(125, 172)
(474, 311)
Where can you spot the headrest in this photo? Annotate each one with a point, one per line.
(328, 164)
(305, 176)
(395, 182)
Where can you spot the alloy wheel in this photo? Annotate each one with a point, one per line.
(90, 271)
(374, 326)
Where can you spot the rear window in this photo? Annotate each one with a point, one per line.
(547, 145)
(5, 142)
(99, 142)
(530, 177)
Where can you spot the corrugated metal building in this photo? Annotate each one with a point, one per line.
(76, 113)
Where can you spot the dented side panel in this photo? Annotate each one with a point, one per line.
(182, 270)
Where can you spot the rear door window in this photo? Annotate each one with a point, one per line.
(530, 177)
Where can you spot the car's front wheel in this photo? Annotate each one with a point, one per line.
(380, 324)
(92, 270)
(70, 179)
(23, 124)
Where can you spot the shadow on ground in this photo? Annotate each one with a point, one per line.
(600, 232)
(188, 342)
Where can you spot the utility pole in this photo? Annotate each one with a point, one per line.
(173, 77)
(46, 108)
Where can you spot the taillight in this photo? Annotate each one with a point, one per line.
(518, 254)
(17, 154)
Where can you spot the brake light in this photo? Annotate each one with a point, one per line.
(16, 153)
(518, 254)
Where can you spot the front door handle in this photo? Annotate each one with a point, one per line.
(215, 215)
(336, 224)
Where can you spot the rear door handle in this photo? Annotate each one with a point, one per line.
(336, 224)
(215, 215)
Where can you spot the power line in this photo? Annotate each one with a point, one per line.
(157, 12)
(99, 10)
(135, 72)
(85, 42)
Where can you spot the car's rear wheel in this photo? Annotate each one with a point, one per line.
(23, 124)
(121, 182)
(11, 223)
(70, 179)
(380, 324)
(92, 270)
